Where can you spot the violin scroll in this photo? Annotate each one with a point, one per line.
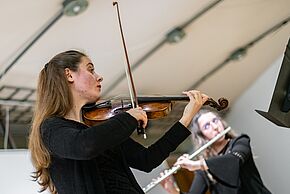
(220, 105)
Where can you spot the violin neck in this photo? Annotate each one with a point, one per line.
(162, 98)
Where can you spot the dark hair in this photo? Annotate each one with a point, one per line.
(54, 98)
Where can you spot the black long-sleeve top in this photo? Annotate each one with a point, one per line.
(96, 160)
(233, 171)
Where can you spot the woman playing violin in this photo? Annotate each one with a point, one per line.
(226, 167)
(72, 157)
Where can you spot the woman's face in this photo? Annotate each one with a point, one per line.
(210, 125)
(86, 82)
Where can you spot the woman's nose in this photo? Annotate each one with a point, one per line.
(99, 78)
(214, 125)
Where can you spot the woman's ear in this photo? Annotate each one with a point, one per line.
(68, 75)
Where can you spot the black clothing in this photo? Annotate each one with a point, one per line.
(96, 160)
(233, 172)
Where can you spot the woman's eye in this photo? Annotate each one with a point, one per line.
(206, 126)
(92, 70)
(215, 120)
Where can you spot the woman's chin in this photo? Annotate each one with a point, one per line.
(97, 99)
(93, 100)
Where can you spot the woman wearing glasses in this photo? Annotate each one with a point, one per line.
(226, 167)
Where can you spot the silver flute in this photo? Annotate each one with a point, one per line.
(172, 170)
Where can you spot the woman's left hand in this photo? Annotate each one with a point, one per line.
(196, 100)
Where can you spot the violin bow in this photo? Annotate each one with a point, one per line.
(131, 86)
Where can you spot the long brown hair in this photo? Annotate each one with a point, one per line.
(197, 136)
(54, 98)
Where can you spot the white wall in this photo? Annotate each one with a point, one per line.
(15, 171)
(270, 142)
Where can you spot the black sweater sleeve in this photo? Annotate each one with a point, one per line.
(73, 140)
(226, 168)
(146, 159)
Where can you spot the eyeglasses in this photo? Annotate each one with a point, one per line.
(208, 125)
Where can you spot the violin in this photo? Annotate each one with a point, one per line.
(155, 107)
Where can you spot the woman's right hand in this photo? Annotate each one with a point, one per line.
(139, 114)
(169, 185)
(196, 100)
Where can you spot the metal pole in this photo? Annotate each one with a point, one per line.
(29, 44)
(6, 135)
